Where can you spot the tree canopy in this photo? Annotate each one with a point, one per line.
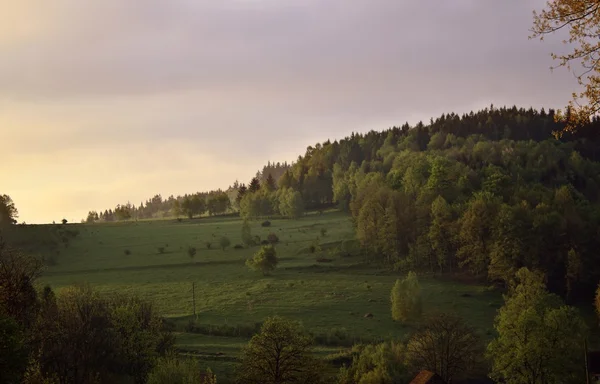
(581, 18)
(539, 338)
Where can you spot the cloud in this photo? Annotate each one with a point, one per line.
(215, 88)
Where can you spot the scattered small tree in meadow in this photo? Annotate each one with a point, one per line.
(446, 345)
(224, 242)
(264, 260)
(247, 234)
(406, 298)
(191, 251)
(64, 221)
(280, 353)
(208, 244)
(273, 238)
(266, 223)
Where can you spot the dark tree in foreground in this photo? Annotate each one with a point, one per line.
(446, 345)
(281, 353)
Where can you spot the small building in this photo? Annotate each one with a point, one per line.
(427, 377)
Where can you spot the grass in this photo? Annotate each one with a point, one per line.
(330, 299)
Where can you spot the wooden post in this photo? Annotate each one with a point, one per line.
(587, 373)
(194, 298)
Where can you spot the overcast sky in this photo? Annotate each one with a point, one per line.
(105, 101)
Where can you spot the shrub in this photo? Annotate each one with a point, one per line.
(170, 369)
(238, 246)
(323, 232)
(323, 260)
(265, 242)
(266, 223)
(161, 250)
(127, 252)
(208, 244)
(247, 234)
(191, 251)
(179, 219)
(224, 242)
(264, 260)
(64, 221)
(272, 238)
(406, 298)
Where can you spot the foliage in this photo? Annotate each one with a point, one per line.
(383, 363)
(64, 221)
(406, 298)
(280, 353)
(247, 234)
(8, 211)
(171, 370)
(265, 260)
(86, 337)
(539, 338)
(191, 251)
(582, 19)
(265, 223)
(446, 345)
(224, 242)
(18, 273)
(13, 351)
(272, 238)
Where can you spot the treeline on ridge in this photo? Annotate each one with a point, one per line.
(483, 194)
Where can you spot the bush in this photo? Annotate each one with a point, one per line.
(323, 232)
(266, 223)
(224, 242)
(264, 260)
(265, 242)
(127, 252)
(323, 260)
(161, 250)
(64, 221)
(179, 219)
(238, 246)
(208, 244)
(171, 370)
(191, 251)
(272, 238)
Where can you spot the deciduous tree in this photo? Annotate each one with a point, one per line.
(280, 354)
(581, 18)
(406, 298)
(539, 338)
(446, 345)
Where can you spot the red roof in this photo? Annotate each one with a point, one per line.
(427, 377)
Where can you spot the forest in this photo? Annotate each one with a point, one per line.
(481, 194)
(493, 196)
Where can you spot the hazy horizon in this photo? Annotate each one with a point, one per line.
(107, 102)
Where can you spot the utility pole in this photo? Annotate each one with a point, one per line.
(194, 298)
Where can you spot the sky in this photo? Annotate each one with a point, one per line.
(108, 101)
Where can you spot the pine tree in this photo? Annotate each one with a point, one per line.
(254, 185)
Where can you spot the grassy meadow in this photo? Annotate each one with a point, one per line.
(330, 297)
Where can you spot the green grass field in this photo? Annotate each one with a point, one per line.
(330, 298)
